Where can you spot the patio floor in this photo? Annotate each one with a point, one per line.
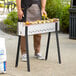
(38, 67)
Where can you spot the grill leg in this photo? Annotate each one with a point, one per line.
(17, 56)
(27, 49)
(57, 39)
(47, 48)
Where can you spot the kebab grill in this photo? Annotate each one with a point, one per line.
(41, 21)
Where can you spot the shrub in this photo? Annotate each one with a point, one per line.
(11, 22)
(56, 9)
(65, 20)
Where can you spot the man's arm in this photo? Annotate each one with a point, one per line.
(43, 5)
(18, 3)
(20, 12)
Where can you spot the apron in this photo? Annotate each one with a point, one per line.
(32, 13)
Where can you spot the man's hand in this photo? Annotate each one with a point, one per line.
(43, 4)
(43, 12)
(20, 14)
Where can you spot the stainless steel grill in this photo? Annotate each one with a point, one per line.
(36, 28)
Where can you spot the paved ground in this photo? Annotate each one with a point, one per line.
(42, 68)
(3, 14)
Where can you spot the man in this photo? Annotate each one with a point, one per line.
(32, 11)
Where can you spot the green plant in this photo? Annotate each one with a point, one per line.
(55, 9)
(65, 20)
(11, 22)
